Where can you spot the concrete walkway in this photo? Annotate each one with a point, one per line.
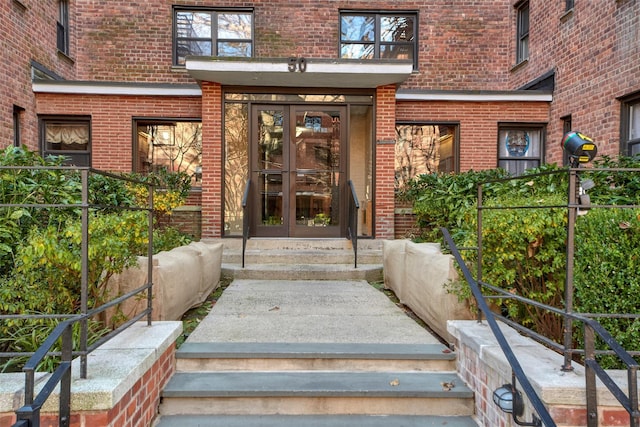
(307, 312)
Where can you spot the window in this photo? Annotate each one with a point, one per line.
(520, 147)
(568, 5)
(566, 128)
(630, 116)
(172, 145)
(379, 36)
(63, 26)
(205, 32)
(17, 114)
(424, 148)
(67, 136)
(522, 42)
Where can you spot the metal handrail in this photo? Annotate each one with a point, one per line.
(592, 328)
(29, 414)
(352, 230)
(518, 372)
(246, 223)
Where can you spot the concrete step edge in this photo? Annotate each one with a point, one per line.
(316, 384)
(315, 351)
(314, 421)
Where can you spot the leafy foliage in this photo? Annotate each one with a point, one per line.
(40, 246)
(446, 200)
(524, 249)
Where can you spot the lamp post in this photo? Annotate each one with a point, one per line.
(581, 149)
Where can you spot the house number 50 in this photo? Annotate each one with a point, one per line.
(297, 63)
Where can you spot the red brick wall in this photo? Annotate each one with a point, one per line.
(137, 408)
(478, 124)
(111, 120)
(595, 52)
(132, 41)
(385, 160)
(27, 34)
(212, 177)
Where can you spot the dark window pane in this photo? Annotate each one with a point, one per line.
(193, 47)
(193, 25)
(357, 28)
(396, 51)
(396, 28)
(235, 49)
(234, 26)
(357, 51)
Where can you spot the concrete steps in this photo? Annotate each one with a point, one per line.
(316, 384)
(315, 421)
(302, 259)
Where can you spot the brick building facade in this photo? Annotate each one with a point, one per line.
(303, 98)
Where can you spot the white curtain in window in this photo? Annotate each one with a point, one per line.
(67, 134)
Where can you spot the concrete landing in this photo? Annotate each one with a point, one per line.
(289, 311)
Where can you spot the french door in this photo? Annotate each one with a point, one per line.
(298, 168)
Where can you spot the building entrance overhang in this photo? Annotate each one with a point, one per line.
(299, 72)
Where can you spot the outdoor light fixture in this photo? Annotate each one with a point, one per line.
(509, 400)
(579, 147)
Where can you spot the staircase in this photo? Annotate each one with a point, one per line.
(302, 259)
(305, 385)
(312, 382)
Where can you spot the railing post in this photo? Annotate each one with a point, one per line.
(572, 211)
(84, 278)
(150, 256)
(590, 376)
(64, 413)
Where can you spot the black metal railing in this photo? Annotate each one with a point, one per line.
(592, 328)
(28, 415)
(246, 219)
(352, 230)
(490, 317)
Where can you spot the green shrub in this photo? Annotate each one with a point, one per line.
(446, 200)
(606, 278)
(524, 250)
(40, 259)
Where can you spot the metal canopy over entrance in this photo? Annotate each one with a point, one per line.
(299, 72)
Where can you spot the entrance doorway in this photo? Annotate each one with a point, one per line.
(299, 167)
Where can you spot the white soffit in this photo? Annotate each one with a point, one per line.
(475, 96)
(110, 88)
(311, 73)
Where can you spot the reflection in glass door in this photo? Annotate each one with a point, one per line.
(299, 171)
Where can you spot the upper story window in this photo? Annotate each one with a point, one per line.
(568, 5)
(379, 36)
(520, 147)
(630, 117)
(207, 32)
(67, 136)
(63, 26)
(18, 112)
(522, 41)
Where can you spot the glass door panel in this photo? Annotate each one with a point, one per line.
(270, 171)
(318, 171)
